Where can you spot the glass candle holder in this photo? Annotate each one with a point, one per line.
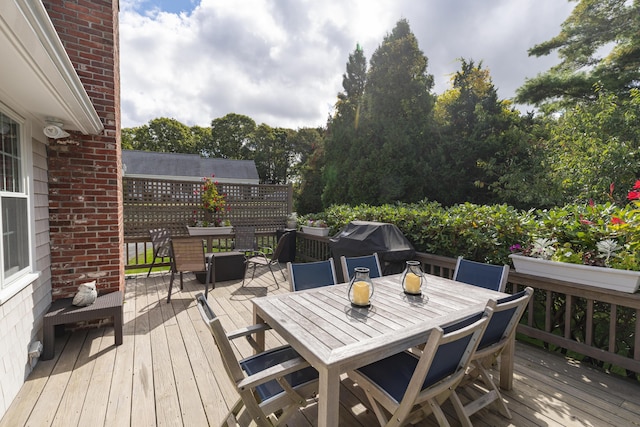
(360, 288)
(412, 278)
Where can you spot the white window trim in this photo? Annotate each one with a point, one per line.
(27, 275)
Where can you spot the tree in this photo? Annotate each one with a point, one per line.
(594, 27)
(595, 144)
(306, 172)
(343, 130)
(230, 136)
(162, 135)
(270, 148)
(473, 127)
(387, 162)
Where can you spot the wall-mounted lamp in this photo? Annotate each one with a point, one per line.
(53, 129)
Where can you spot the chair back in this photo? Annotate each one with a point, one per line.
(245, 239)
(282, 241)
(160, 239)
(506, 316)
(411, 380)
(372, 262)
(231, 364)
(487, 276)
(310, 275)
(451, 349)
(188, 254)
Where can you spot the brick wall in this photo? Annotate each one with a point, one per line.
(85, 171)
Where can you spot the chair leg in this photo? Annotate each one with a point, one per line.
(170, 286)
(274, 276)
(494, 394)
(437, 412)
(246, 268)
(152, 263)
(207, 282)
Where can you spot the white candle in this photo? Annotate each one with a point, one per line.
(361, 293)
(412, 283)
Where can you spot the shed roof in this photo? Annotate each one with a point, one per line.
(187, 167)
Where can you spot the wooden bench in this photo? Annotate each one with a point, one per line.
(62, 311)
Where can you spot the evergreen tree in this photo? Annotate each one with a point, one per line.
(472, 122)
(389, 159)
(599, 43)
(343, 130)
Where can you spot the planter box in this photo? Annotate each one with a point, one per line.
(602, 277)
(316, 231)
(209, 231)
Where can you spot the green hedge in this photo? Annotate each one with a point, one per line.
(488, 233)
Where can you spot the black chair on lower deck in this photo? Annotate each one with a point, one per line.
(372, 262)
(487, 276)
(267, 257)
(160, 239)
(507, 313)
(187, 255)
(308, 275)
(245, 239)
(276, 381)
(406, 387)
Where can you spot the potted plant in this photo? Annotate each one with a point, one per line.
(597, 246)
(214, 208)
(317, 227)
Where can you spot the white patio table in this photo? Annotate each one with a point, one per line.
(334, 337)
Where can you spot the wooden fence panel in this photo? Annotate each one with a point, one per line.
(151, 203)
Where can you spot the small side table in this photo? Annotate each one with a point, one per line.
(62, 311)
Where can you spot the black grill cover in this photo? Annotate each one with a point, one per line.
(360, 238)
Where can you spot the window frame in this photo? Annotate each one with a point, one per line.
(23, 277)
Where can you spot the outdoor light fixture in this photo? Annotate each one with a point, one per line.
(53, 129)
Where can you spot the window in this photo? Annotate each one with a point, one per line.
(13, 204)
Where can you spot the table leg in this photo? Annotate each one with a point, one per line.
(258, 336)
(506, 364)
(328, 398)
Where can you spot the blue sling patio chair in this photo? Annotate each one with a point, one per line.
(369, 261)
(409, 386)
(507, 313)
(276, 381)
(308, 275)
(487, 276)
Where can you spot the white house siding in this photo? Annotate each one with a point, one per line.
(21, 315)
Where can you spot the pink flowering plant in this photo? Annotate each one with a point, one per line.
(316, 223)
(601, 235)
(213, 205)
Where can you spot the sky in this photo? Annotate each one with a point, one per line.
(281, 62)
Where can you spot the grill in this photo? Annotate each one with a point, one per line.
(360, 238)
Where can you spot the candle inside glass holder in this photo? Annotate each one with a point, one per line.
(360, 288)
(412, 278)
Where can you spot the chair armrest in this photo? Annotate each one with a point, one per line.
(266, 250)
(274, 372)
(248, 330)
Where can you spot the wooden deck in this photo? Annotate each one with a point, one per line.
(168, 372)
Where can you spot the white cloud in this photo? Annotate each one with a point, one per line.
(281, 62)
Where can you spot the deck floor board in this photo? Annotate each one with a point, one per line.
(169, 372)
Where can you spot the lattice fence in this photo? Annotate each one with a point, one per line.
(151, 203)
